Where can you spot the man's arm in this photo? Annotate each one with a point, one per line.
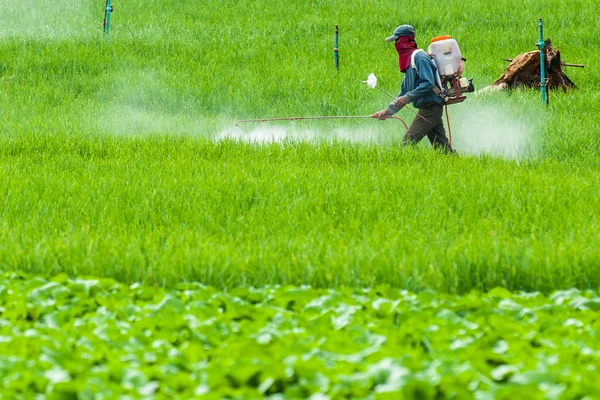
(393, 108)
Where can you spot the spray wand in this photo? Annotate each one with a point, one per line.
(315, 117)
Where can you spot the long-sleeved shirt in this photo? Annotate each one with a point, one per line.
(418, 86)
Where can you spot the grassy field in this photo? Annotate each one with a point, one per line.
(119, 156)
(228, 214)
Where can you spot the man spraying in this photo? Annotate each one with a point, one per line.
(419, 87)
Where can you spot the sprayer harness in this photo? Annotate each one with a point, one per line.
(438, 80)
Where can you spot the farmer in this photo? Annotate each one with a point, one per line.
(418, 87)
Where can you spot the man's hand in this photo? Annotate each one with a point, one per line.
(381, 115)
(401, 102)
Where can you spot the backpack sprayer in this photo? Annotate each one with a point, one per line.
(446, 56)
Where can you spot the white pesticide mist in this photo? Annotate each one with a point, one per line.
(49, 18)
(489, 129)
(265, 133)
(140, 103)
(128, 120)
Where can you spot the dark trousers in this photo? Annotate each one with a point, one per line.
(428, 122)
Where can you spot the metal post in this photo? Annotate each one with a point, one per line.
(336, 57)
(542, 63)
(107, 13)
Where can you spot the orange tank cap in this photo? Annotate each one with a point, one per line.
(440, 38)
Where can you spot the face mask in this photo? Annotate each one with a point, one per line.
(405, 46)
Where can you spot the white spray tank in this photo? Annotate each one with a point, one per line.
(446, 54)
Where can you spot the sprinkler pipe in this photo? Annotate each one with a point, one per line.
(107, 12)
(542, 63)
(336, 51)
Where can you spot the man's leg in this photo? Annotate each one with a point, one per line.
(437, 134)
(419, 128)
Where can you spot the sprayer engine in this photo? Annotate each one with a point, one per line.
(454, 87)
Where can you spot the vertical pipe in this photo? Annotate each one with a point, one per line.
(107, 13)
(336, 57)
(542, 62)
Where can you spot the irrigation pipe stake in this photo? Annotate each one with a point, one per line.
(316, 117)
(541, 46)
(107, 11)
(336, 51)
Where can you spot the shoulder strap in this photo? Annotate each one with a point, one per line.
(412, 58)
(413, 64)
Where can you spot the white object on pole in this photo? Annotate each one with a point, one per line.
(371, 81)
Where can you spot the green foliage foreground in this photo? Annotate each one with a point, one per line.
(101, 339)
